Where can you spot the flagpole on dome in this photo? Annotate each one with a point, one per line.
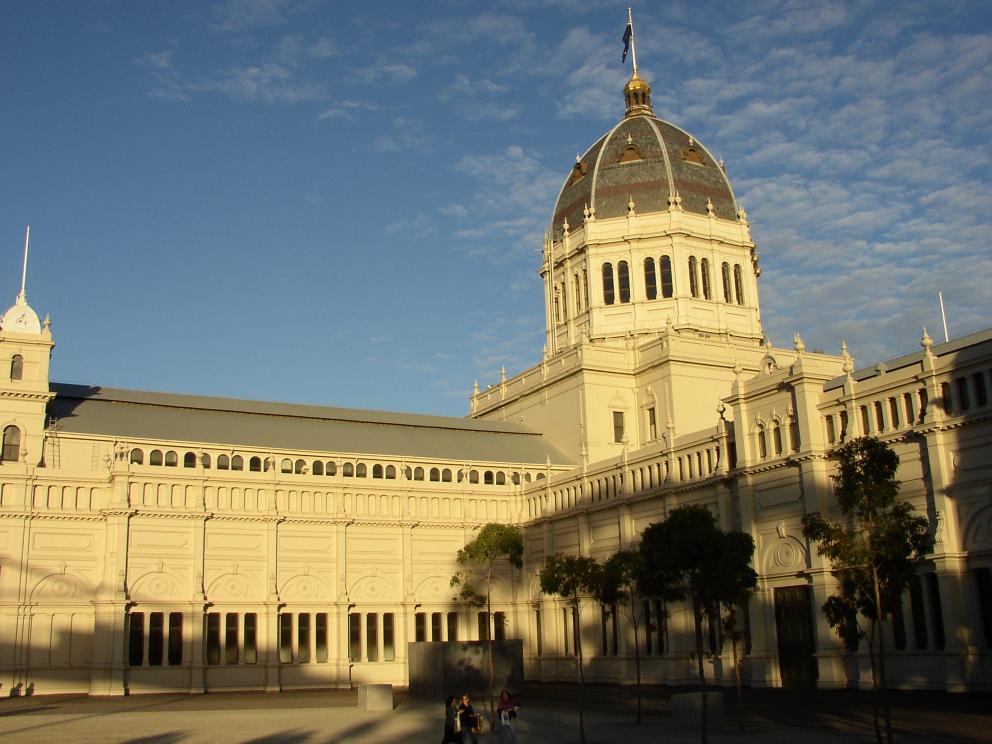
(633, 49)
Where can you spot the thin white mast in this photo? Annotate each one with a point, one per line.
(943, 315)
(633, 51)
(24, 272)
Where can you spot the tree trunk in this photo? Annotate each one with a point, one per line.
(581, 673)
(737, 668)
(879, 616)
(489, 636)
(697, 614)
(637, 655)
(874, 682)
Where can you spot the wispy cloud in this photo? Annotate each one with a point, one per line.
(242, 15)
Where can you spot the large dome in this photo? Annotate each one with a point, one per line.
(649, 161)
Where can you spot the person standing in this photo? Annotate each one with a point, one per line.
(466, 714)
(451, 733)
(506, 713)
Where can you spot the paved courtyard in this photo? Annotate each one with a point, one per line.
(549, 715)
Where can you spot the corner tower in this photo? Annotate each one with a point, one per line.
(25, 351)
(647, 233)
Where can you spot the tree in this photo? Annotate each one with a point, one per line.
(477, 563)
(573, 577)
(620, 586)
(688, 557)
(874, 555)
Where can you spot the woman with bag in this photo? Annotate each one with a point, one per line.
(452, 729)
(506, 712)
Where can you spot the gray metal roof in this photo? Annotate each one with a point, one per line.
(135, 414)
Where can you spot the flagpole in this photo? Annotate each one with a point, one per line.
(633, 50)
(943, 315)
(24, 270)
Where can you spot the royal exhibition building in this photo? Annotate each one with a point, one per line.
(162, 542)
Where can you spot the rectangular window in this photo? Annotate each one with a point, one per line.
(924, 401)
(354, 636)
(436, 627)
(936, 612)
(231, 638)
(136, 639)
(831, 435)
(918, 611)
(605, 624)
(452, 626)
(303, 638)
(175, 638)
(899, 628)
(251, 638)
(843, 425)
(618, 426)
(983, 581)
(964, 399)
(420, 623)
(648, 628)
(388, 637)
(865, 421)
(894, 412)
(213, 638)
(981, 392)
(156, 639)
(879, 416)
(945, 397)
(907, 399)
(652, 425)
(566, 631)
(320, 629)
(499, 626)
(538, 631)
(483, 626)
(285, 638)
(372, 636)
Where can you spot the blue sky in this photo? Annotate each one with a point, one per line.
(342, 203)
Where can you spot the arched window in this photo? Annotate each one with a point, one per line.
(171, 459)
(155, 458)
(650, 280)
(516, 479)
(299, 467)
(418, 474)
(330, 468)
(563, 293)
(189, 460)
(255, 465)
(473, 476)
(487, 477)
(16, 367)
(500, 478)
(11, 444)
(578, 294)
(738, 284)
(223, 462)
(361, 471)
(608, 297)
(623, 274)
(317, 468)
(704, 270)
(377, 471)
(286, 466)
(585, 289)
(777, 437)
(693, 277)
(667, 288)
(435, 474)
(269, 464)
(391, 473)
(762, 442)
(237, 463)
(348, 470)
(725, 273)
(446, 476)
(137, 457)
(205, 459)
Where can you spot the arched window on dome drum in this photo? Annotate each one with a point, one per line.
(299, 466)
(725, 273)
(762, 442)
(189, 460)
(16, 367)
(171, 459)
(435, 474)
(137, 457)
(563, 293)
(738, 284)
(585, 289)
(623, 275)
(237, 463)
(578, 294)
(223, 462)
(667, 289)
(650, 280)
(608, 297)
(11, 444)
(255, 465)
(704, 271)
(317, 468)
(693, 278)
(155, 458)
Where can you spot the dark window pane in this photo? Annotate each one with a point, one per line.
(320, 640)
(156, 639)
(650, 282)
(251, 638)
(539, 631)
(499, 626)
(693, 279)
(303, 637)
(420, 623)
(936, 613)
(355, 636)
(918, 611)
(666, 277)
(436, 627)
(285, 638)
(983, 579)
(136, 639)
(623, 276)
(608, 296)
(231, 638)
(452, 626)
(11, 444)
(213, 638)
(483, 626)
(372, 637)
(388, 638)
(175, 638)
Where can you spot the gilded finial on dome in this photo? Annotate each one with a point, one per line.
(637, 92)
